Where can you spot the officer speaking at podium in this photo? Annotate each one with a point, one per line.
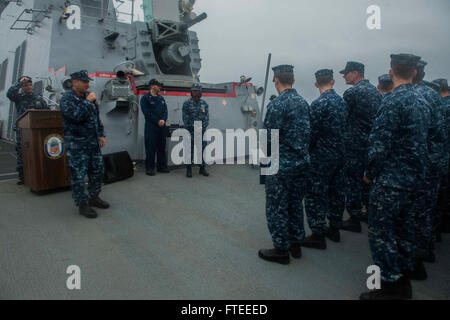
(84, 136)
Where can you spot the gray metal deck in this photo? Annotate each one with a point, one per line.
(7, 161)
(168, 237)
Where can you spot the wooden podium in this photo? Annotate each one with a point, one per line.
(43, 152)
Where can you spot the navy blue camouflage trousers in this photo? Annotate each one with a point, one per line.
(320, 188)
(391, 231)
(426, 214)
(85, 161)
(284, 209)
(348, 193)
(19, 165)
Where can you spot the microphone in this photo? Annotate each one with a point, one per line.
(95, 102)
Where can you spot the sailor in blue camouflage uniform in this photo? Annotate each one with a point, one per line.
(154, 108)
(397, 160)
(289, 114)
(442, 221)
(363, 100)
(385, 85)
(426, 202)
(196, 109)
(22, 95)
(84, 137)
(328, 116)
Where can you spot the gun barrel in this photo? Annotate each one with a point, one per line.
(196, 20)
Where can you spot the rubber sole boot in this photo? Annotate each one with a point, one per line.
(418, 274)
(445, 224)
(426, 255)
(87, 211)
(364, 218)
(150, 172)
(189, 172)
(315, 241)
(274, 255)
(164, 170)
(203, 172)
(296, 251)
(352, 225)
(398, 290)
(333, 234)
(98, 203)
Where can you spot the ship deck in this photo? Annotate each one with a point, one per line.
(169, 237)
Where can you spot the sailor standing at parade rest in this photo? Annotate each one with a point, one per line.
(285, 190)
(443, 217)
(363, 100)
(196, 109)
(328, 116)
(154, 108)
(438, 161)
(397, 162)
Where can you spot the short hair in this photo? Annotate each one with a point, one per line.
(361, 73)
(403, 72)
(386, 86)
(285, 78)
(324, 80)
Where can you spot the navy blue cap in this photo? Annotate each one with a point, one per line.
(353, 66)
(81, 75)
(442, 83)
(155, 82)
(324, 72)
(404, 59)
(385, 79)
(196, 87)
(432, 85)
(421, 64)
(284, 68)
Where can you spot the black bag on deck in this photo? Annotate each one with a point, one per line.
(118, 166)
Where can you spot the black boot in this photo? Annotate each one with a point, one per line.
(364, 217)
(438, 237)
(203, 171)
(98, 203)
(352, 225)
(150, 172)
(87, 211)
(189, 171)
(419, 273)
(274, 255)
(333, 234)
(425, 255)
(398, 290)
(315, 241)
(164, 170)
(445, 225)
(21, 179)
(296, 251)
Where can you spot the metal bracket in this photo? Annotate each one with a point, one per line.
(30, 23)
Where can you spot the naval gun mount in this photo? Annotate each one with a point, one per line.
(167, 48)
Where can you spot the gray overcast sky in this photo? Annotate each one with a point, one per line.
(238, 35)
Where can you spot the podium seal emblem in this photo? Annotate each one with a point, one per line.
(54, 146)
